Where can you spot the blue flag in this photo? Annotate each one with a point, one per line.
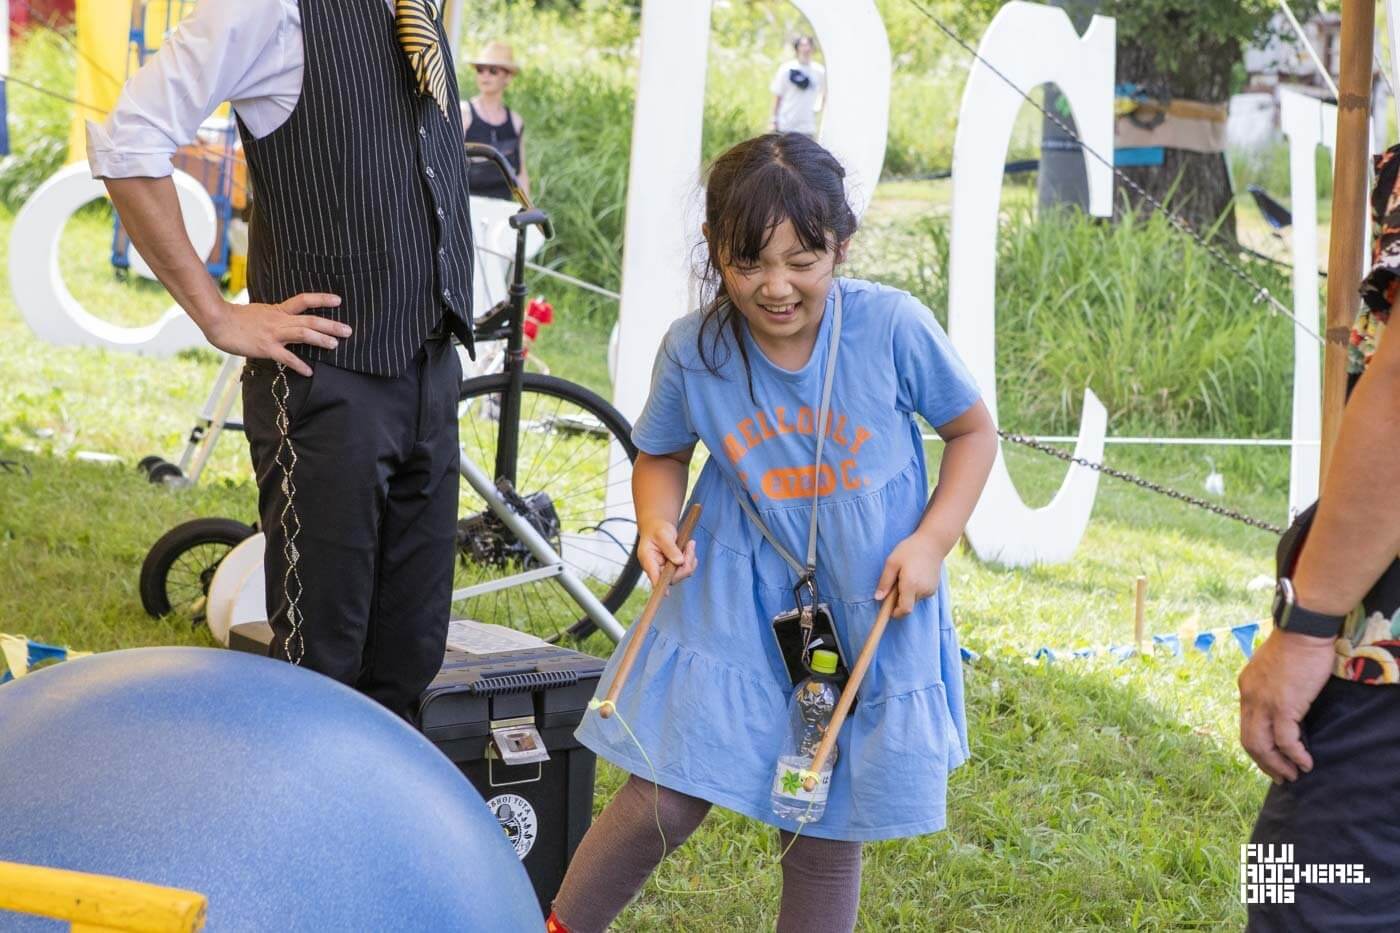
(1244, 634)
(40, 652)
(1171, 641)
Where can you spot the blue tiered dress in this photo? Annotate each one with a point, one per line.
(707, 698)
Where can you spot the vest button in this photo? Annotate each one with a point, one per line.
(441, 212)
(422, 132)
(429, 172)
(447, 294)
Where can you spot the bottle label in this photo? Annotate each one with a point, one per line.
(787, 782)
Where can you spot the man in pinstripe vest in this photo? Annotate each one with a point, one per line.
(359, 274)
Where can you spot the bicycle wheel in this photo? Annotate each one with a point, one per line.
(570, 443)
(178, 569)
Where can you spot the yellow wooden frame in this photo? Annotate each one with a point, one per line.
(99, 903)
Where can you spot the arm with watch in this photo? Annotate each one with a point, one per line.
(1323, 576)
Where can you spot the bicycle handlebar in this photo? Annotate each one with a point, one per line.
(536, 216)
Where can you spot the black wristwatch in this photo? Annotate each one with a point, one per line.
(1291, 617)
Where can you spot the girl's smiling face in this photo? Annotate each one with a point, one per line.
(782, 293)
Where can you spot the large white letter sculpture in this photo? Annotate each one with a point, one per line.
(663, 207)
(43, 297)
(1308, 123)
(1030, 44)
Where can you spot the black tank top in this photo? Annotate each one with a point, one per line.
(485, 178)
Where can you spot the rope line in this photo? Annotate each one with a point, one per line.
(1138, 481)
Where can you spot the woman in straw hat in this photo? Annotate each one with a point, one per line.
(487, 119)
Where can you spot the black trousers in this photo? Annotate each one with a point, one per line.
(1343, 812)
(374, 497)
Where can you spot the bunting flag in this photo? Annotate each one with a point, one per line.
(21, 654)
(1171, 642)
(1244, 635)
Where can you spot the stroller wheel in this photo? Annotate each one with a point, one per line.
(176, 574)
(164, 472)
(146, 463)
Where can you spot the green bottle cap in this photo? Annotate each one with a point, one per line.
(824, 662)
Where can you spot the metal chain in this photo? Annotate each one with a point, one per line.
(1261, 292)
(1140, 482)
(286, 458)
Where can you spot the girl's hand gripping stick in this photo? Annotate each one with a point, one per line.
(658, 593)
(848, 695)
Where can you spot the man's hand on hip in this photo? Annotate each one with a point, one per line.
(1277, 687)
(262, 331)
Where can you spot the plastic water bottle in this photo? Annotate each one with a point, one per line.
(809, 714)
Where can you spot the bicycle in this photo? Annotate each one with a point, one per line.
(532, 555)
(520, 534)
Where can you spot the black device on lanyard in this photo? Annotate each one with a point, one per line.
(805, 629)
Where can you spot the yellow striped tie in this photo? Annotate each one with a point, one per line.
(417, 33)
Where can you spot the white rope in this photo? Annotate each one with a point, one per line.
(1189, 441)
(1312, 52)
(1173, 441)
(553, 273)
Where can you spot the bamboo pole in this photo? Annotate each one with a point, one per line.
(1346, 251)
(848, 695)
(658, 593)
(1140, 612)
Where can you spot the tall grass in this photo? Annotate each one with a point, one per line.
(38, 121)
(1168, 340)
(577, 94)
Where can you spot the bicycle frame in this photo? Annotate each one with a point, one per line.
(507, 442)
(552, 565)
(507, 446)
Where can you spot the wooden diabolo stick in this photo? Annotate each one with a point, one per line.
(848, 695)
(1140, 612)
(1346, 249)
(658, 593)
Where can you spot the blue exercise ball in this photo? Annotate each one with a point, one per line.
(290, 801)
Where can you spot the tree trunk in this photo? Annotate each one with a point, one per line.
(1062, 180)
(1195, 186)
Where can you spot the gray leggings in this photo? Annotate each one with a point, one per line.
(821, 877)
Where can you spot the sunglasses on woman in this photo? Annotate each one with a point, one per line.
(491, 70)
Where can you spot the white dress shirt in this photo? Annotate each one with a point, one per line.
(248, 52)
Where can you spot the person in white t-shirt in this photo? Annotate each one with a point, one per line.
(798, 90)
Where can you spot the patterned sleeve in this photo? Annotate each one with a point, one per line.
(932, 379)
(1381, 286)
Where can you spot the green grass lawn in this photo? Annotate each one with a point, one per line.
(1100, 795)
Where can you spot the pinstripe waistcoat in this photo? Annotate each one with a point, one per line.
(362, 192)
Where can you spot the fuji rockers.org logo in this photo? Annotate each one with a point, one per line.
(517, 817)
(1269, 874)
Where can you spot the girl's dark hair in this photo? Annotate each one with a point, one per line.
(750, 189)
(798, 41)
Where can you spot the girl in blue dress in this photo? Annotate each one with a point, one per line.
(707, 699)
